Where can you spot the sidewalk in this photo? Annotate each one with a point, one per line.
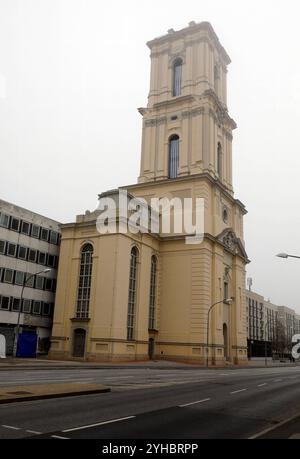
(46, 391)
(44, 364)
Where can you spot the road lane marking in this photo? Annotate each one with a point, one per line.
(195, 403)
(238, 391)
(98, 424)
(262, 385)
(59, 438)
(11, 427)
(274, 427)
(278, 380)
(33, 432)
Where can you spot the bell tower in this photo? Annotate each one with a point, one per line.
(186, 126)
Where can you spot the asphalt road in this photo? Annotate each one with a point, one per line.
(154, 403)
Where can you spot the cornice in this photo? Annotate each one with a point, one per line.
(221, 113)
(195, 177)
(174, 101)
(188, 32)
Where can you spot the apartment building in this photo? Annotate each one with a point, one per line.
(29, 251)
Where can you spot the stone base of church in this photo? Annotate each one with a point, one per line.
(123, 358)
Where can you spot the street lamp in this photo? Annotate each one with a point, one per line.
(286, 256)
(17, 329)
(266, 350)
(228, 301)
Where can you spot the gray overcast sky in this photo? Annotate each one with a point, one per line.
(75, 72)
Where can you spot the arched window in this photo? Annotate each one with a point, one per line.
(219, 160)
(177, 77)
(152, 300)
(132, 293)
(173, 156)
(85, 279)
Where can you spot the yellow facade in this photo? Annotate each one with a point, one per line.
(188, 105)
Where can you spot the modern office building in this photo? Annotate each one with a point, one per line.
(147, 295)
(270, 327)
(29, 244)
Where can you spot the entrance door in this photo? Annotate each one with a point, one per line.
(2, 347)
(27, 345)
(151, 348)
(79, 343)
(225, 337)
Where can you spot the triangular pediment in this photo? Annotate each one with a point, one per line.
(232, 243)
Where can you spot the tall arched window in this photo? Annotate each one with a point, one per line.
(132, 293)
(219, 160)
(85, 279)
(173, 156)
(152, 299)
(177, 77)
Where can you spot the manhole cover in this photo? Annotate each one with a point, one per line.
(20, 392)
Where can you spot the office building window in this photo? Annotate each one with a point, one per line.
(4, 220)
(16, 304)
(2, 247)
(19, 278)
(42, 257)
(53, 237)
(46, 309)
(35, 231)
(22, 253)
(11, 250)
(26, 307)
(4, 302)
(44, 234)
(25, 228)
(39, 282)
(8, 276)
(29, 280)
(32, 254)
(15, 224)
(36, 307)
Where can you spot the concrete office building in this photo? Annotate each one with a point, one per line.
(271, 324)
(29, 243)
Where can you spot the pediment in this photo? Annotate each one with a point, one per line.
(232, 243)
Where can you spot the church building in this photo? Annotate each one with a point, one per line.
(139, 295)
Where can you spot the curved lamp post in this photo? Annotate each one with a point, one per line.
(17, 330)
(286, 256)
(228, 301)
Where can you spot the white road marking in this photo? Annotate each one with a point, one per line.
(278, 380)
(262, 385)
(33, 432)
(270, 429)
(11, 427)
(195, 403)
(98, 424)
(59, 438)
(238, 391)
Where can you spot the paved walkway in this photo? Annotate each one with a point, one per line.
(46, 391)
(44, 363)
